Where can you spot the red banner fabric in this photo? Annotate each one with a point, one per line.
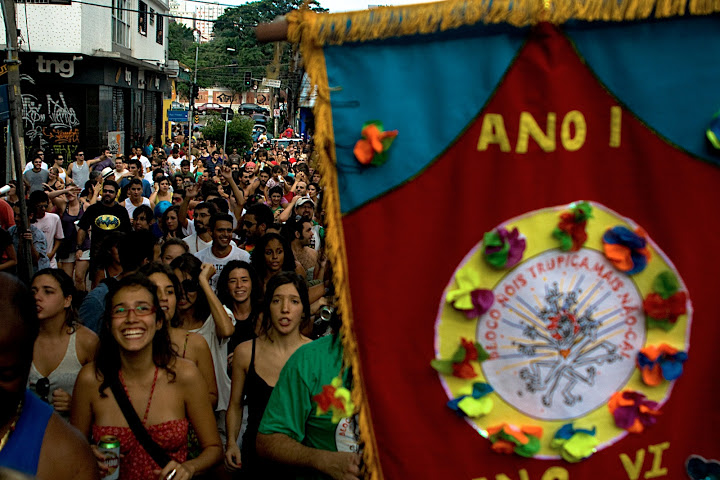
(404, 247)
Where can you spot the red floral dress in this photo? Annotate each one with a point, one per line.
(137, 463)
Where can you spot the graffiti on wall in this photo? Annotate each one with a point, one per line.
(53, 124)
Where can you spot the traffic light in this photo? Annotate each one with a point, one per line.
(248, 79)
(194, 90)
(234, 67)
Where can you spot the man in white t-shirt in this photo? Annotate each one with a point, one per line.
(202, 238)
(137, 153)
(48, 223)
(135, 196)
(175, 159)
(223, 249)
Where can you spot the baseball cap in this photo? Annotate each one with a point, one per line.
(304, 200)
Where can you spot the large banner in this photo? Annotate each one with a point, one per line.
(523, 221)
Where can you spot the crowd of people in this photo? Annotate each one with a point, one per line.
(183, 304)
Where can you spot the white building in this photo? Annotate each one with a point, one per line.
(192, 16)
(92, 75)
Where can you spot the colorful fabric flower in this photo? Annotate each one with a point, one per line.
(466, 297)
(574, 444)
(473, 401)
(503, 249)
(633, 411)
(459, 365)
(699, 468)
(372, 148)
(660, 362)
(523, 441)
(666, 303)
(334, 398)
(626, 250)
(571, 228)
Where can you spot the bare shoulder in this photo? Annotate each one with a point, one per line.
(87, 340)
(186, 372)
(65, 453)
(88, 377)
(197, 341)
(242, 354)
(311, 253)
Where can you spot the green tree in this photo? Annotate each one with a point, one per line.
(239, 131)
(235, 29)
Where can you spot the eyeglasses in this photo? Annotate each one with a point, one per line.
(141, 310)
(189, 286)
(248, 223)
(79, 154)
(42, 388)
(109, 191)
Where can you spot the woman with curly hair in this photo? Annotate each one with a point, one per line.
(63, 345)
(168, 393)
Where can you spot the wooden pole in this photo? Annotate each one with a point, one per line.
(275, 31)
(15, 103)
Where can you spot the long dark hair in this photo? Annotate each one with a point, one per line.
(163, 226)
(283, 278)
(258, 254)
(107, 359)
(189, 263)
(157, 267)
(67, 286)
(223, 292)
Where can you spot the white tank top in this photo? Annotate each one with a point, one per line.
(64, 375)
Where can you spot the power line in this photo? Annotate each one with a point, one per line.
(159, 14)
(213, 3)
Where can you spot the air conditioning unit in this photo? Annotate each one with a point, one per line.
(172, 69)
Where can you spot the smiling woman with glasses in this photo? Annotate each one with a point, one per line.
(63, 346)
(168, 394)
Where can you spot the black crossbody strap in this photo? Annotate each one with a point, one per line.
(142, 435)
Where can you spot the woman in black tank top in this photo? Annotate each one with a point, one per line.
(256, 367)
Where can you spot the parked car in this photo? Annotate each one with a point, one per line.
(210, 107)
(259, 118)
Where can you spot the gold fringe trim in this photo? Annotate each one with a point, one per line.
(385, 22)
(299, 23)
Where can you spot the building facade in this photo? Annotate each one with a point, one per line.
(92, 76)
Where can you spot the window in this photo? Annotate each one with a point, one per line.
(152, 17)
(159, 33)
(120, 23)
(142, 18)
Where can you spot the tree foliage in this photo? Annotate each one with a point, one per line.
(239, 132)
(235, 29)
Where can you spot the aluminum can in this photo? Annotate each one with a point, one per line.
(109, 445)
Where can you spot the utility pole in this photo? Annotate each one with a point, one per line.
(15, 103)
(191, 120)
